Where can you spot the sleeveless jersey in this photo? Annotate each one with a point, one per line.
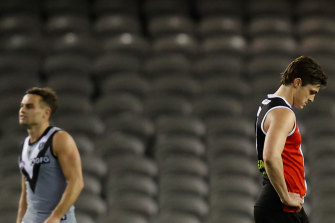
(292, 156)
(45, 182)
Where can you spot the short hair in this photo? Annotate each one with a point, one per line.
(48, 96)
(305, 68)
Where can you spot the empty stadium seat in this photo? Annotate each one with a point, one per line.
(182, 86)
(66, 23)
(168, 25)
(138, 126)
(172, 146)
(180, 126)
(20, 24)
(270, 25)
(113, 24)
(219, 25)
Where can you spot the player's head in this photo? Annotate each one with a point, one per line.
(305, 68)
(37, 105)
(306, 77)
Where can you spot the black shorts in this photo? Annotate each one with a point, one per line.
(264, 215)
(269, 208)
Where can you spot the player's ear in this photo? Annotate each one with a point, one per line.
(47, 112)
(297, 82)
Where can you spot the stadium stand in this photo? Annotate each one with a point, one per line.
(161, 96)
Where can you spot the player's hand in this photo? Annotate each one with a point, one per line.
(52, 220)
(294, 200)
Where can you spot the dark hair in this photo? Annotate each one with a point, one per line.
(48, 96)
(305, 68)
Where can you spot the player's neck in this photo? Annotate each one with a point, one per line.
(36, 131)
(285, 92)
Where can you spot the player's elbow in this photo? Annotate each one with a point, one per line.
(81, 184)
(270, 158)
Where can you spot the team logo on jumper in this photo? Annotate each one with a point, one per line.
(41, 146)
(40, 160)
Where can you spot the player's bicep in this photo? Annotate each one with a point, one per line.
(67, 154)
(281, 123)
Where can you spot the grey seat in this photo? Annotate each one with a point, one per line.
(228, 164)
(67, 63)
(15, 24)
(274, 45)
(102, 7)
(226, 144)
(111, 64)
(92, 184)
(318, 45)
(235, 87)
(11, 84)
(132, 164)
(131, 184)
(262, 7)
(158, 105)
(180, 126)
(8, 216)
(173, 185)
(110, 24)
(19, 64)
(126, 83)
(154, 8)
(135, 125)
(84, 218)
(112, 104)
(61, 24)
(135, 203)
(217, 106)
(180, 86)
(23, 44)
(218, 66)
(171, 146)
(119, 143)
(182, 203)
(91, 204)
(218, 25)
(122, 216)
(182, 165)
(168, 25)
(11, 143)
(262, 65)
(126, 43)
(229, 127)
(318, 8)
(80, 123)
(270, 25)
(239, 204)
(94, 165)
(218, 7)
(31, 7)
(72, 104)
(315, 25)
(167, 64)
(72, 43)
(181, 43)
(229, 185)
(65, 7)
(224, 45)
(81, 86)
(229, 217)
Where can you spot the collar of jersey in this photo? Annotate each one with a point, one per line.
(276, 96)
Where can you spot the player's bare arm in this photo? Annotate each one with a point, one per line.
(22, 202)
(65, 149)
(278, 124)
